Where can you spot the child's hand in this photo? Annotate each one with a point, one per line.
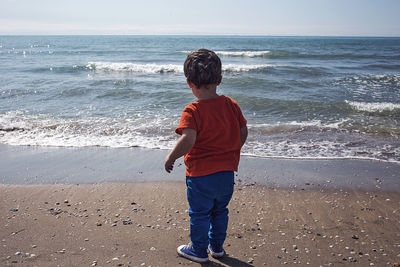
(169, 164)
(183, 146)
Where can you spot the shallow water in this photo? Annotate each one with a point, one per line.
(304, 97)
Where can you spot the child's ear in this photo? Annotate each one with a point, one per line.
(191, 85)
(220, 80)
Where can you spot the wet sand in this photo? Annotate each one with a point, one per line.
(54, 165)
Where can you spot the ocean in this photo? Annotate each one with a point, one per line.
(303, 97)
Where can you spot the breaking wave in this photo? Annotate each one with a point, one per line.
(134, 67)
(239, 53)
(19, 128)
(164, 68)
(243, 53)
(309, 139)
(373, 107)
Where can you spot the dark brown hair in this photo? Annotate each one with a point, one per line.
(203, 67)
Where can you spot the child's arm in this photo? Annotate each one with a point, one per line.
(243, 134)
(183, 146)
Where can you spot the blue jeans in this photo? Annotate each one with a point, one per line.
(208, 198)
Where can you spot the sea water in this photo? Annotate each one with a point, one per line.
(303, 97)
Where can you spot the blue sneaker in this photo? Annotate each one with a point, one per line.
(188, 252)
(216, 252)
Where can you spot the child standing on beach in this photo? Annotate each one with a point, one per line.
(213, 130)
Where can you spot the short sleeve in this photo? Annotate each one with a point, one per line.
(187, 120)
(241, 118)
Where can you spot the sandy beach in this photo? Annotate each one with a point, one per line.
(141, 224)
(314, 222)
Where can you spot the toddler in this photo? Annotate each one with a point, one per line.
(213, 130)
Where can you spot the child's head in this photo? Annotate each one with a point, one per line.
(202, 68)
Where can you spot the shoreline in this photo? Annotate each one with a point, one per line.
(321, 158)
(91, 165)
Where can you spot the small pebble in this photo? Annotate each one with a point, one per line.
(126, 222)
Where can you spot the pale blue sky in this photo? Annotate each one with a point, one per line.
(251, 17)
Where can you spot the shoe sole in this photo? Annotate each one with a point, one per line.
(216, 254)
(190, 257)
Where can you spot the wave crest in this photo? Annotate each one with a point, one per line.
(239, 53)
(297, 139)
(373, 107)
(164, 68)
(19, 128)
(134, 67)
(245, 68)
(243, 53)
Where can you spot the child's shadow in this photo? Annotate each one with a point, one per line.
(227, 261)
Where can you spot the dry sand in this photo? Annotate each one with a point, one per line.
(141, 224)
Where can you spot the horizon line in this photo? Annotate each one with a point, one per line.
(210, 34)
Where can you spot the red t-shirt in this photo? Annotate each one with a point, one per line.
(217, 122)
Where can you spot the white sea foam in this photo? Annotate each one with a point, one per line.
(318, 150)
(298, 149)
(245, 67)
(373, 107)
(239, 53)
(134, 67)
(243, 53)
(284, 126)
(156, 132)
(165, 68)
(17, 128)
